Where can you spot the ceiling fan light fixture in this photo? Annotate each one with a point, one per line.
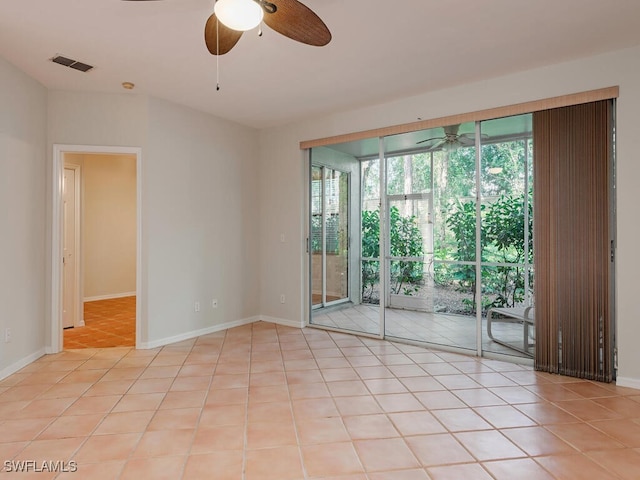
(240, 15)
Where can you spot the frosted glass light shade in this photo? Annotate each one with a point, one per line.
(239, 15)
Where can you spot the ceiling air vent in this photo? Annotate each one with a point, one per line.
(67, 62)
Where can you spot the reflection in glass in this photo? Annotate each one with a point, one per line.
(329, 235)
(336, 235)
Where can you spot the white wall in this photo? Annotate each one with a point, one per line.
(23, 114)
(109, 225)
(200, 216)
(282, 176)
(200, 213)
(199, 196)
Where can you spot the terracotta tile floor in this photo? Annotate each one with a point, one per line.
(270, 402)
(108, 323)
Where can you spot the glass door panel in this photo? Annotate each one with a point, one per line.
(431, 227)
(507, 242)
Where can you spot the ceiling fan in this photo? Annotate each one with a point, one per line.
(452, 139)
(230, 18)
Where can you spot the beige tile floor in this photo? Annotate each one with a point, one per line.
(270, 402)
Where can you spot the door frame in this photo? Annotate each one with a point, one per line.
(78, 317)
(56, 335)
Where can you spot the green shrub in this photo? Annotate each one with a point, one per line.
(502, 241)
(405, 241)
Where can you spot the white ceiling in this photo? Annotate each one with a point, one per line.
(380, 50)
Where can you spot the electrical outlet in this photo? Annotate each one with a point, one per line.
(282, 298)
(7, 335)
(196, 306)
(214, 303)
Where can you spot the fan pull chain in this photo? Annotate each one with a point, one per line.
(218, 55)
(217, 74)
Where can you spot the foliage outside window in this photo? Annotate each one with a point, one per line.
(502, 224)
(502, 241)
(405, 241)
(453, 182)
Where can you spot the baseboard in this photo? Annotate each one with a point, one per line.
(110, 296)
(281, 321)
(13, 368)
(628, 382)
(196, 333)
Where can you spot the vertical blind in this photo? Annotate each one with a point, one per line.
(573, 155)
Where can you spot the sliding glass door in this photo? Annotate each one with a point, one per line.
(439, 224)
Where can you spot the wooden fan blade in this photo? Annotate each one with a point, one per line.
(219, 39)
(298, 22)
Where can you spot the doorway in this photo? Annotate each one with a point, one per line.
(106, 223)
